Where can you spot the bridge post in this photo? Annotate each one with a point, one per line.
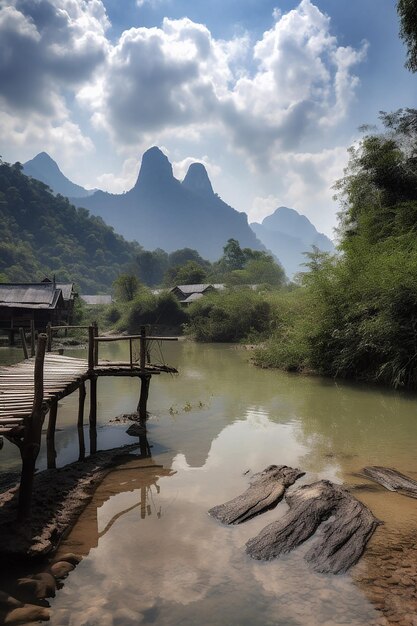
(93, 414)
(32, 337)
(144, 393)
(49, 334)
(24, 345)
(80, 421)
(32, 435)
(50, 436)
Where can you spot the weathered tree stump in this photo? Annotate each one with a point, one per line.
(266, 489)
(343, 539)
(392, 480)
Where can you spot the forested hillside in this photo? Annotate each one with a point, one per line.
(43, 234)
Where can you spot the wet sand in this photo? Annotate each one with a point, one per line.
(59, 496)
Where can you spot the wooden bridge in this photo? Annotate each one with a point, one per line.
(32, 388)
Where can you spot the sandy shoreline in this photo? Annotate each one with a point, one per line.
(59, 496)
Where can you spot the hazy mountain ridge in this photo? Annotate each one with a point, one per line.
(44, 168)
(162, 212)
(288, 234)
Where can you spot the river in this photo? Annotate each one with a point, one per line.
(152, 555)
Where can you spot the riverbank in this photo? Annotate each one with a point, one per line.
(59, 496)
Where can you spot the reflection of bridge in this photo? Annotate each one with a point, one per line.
(32, 388)
(139, 476)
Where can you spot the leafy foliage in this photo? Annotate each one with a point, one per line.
(43, 234)
(148, 308)
(230, 316)
(359, 310)
(407, 11)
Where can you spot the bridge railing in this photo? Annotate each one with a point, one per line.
(95, 340)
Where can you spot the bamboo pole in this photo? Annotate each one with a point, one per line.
(95, 343)
(143, 399)
(23, 340)
(91, 335)
(49, 334)
(32, 337)
(93, 414)
(80, 421)
(32, 434)
(50, 436)
(142, 348)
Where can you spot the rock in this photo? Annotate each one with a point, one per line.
(266, 489)
(25, 614)
(69, 557)
(135, 430)
(6, 600)
(36, 587)
(342, 539)
(61, 569)
(46, 584)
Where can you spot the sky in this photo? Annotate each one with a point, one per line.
(267, 94)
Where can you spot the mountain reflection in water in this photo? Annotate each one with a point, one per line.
(152, 555)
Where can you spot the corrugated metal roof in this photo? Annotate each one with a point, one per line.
(199, 288)
(192, 298)
(67, 290)
(96, 299)
(36, 295)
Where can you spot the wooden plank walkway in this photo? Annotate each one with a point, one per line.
(62, 376)
(32, 388)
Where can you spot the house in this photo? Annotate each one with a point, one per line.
(22, 303)
(187, 294)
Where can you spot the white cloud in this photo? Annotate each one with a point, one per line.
(160, 81)
(64, 141)
(180, 168)
(307, 180)
(118, 183)
(263, 206)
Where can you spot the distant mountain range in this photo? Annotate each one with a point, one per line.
(45, 169)
(289, 235)
(162, 212)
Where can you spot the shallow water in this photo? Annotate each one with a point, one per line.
(152, 555)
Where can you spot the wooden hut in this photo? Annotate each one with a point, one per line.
(22, 303)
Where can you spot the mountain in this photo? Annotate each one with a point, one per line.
(162, 212)
(288, 234)
(43, 168)
(42, 234)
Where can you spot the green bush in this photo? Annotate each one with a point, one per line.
(148, 308)
(230, 316)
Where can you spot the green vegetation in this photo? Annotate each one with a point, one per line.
(231, 316)
(355, 315)
(43, 234)
(407, 11)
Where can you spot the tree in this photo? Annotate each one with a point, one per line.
(407, 11)
(152, 266)
(233, 256)
(190, 273)
(125, 287)
(180, 257)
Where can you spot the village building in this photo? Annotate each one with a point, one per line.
(24, 304)
(187, 294)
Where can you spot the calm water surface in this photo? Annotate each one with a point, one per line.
(152, 555)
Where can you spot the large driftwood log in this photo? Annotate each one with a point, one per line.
(343, 539)
(266, 489)
(392, 480)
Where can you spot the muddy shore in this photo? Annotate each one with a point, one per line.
(59, 496)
